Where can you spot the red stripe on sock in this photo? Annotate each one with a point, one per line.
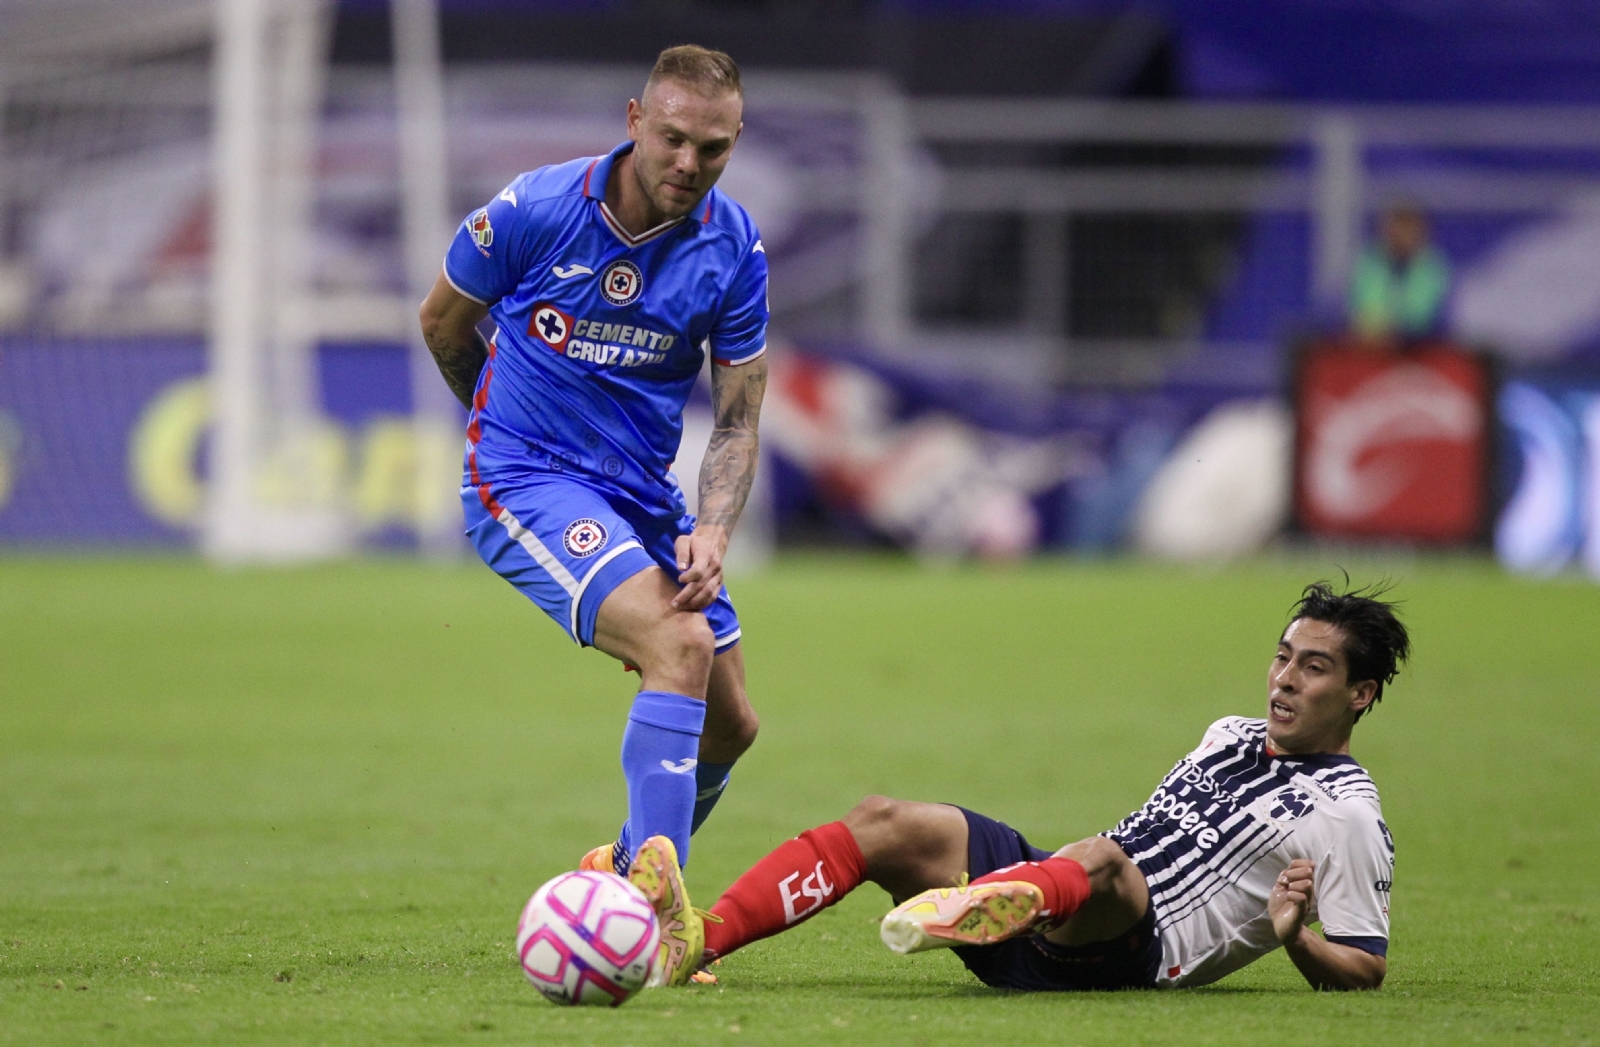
(789, 886)
(1064, 882)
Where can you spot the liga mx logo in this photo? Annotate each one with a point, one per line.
(482, 231)
(584, 538)
(551, 326)
(621, 283)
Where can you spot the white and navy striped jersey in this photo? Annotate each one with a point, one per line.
(1227, 820)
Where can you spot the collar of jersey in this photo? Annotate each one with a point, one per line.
(594, 187)
(1318, 759)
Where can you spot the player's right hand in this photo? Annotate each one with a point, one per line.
(1290, 899)
(700, 567)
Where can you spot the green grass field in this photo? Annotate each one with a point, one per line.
(304, 807)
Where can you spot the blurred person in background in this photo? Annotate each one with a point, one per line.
(610, 279)
(1401, 283)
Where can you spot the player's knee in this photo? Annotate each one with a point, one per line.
(1101, 858)
(685, 641)
(883, 821)
(743, 728)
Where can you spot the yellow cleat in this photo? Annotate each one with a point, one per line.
(599, 860)
(655, 871)
(971, 914)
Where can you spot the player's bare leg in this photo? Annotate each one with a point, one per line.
(731, 723)
(672, 649)
(729, 732)
(1118, 894)
(910, 847)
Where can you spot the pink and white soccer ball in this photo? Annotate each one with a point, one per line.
(588, 938)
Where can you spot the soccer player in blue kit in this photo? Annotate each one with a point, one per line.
(609, 279)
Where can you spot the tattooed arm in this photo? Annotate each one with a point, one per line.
(450, 327)
(725, 478)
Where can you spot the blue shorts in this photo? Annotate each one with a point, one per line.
(1130, 961)
(567, 545)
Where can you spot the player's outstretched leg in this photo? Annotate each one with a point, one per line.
(903, 847)
(796, 881)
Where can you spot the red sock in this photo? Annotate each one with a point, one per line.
(788, 886)
(1063, 881)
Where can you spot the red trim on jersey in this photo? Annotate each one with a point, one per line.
(480, 400)
(586, 174)
(705, 219)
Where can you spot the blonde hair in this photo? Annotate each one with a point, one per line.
(708, 71)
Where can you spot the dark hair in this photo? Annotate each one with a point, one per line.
(1375, 641)
(700, 67)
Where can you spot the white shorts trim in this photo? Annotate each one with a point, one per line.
(577, 597)
(542, 556)
(730, 639)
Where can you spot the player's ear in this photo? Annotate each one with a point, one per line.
(1362, 695)
(635, 117)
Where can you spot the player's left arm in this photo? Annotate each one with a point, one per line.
(726, 475)
(1325, 964)
(450, 328)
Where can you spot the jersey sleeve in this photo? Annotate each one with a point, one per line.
(493, 248)
(1353, 880)
(740, 333)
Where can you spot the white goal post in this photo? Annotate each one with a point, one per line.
(264, 502)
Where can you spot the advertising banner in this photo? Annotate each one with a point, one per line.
(1550, 424)
(107, 442)
(1393, 446)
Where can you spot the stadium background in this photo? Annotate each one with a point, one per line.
(1052, 284)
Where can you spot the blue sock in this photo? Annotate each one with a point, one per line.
(709, 781)
(658, 758)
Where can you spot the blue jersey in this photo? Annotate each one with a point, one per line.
(601, 334)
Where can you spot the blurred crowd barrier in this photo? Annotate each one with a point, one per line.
(107, 442)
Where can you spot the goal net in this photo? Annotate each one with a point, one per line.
(177, 339)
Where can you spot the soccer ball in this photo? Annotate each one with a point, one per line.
(588, 938)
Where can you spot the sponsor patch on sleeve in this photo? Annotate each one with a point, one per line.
(482, 231)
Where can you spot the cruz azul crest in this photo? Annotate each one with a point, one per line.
(621, 283)
(584, 537)
(551, 326)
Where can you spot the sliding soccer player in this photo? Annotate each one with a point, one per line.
(609, 279)
(1268, 826)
